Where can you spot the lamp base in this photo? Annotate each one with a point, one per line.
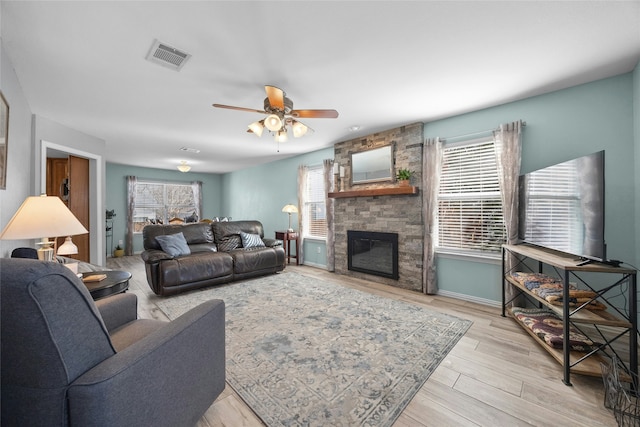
(290, 230)
(45, 251)
(45, 254)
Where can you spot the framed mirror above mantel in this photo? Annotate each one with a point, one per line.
(373, 165)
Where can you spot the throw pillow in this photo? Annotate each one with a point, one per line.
(251, 240)
(229, 243)
(174, 244)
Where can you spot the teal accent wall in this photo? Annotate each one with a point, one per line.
(117, 195)
(602, 115)
(562, 125)
(261, 192)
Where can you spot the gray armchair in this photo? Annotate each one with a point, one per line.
(69, 361)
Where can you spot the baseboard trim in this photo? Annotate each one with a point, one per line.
(470, 298)
(313, 264)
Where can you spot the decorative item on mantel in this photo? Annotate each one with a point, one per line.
(403, 176)
(339, 171)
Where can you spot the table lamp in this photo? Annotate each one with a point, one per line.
(290, 209)
(43, 217)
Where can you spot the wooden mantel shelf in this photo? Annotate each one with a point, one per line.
(386, 191)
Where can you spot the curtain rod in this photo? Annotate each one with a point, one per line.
(476, 133)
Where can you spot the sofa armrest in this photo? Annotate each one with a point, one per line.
(168, 378)
(118, 310)
(151, 256)
(272, 243)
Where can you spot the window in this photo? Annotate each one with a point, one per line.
(315, 215)
(158, 203)
(469, 204)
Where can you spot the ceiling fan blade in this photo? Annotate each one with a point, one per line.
(315, 114)
(276, 97)
(231, 107)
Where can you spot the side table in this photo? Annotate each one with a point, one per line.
(287, 237)
(115, 282)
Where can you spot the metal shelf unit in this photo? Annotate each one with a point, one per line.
(624, 322)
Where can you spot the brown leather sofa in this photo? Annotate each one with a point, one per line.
(217, 255)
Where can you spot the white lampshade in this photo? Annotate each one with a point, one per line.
(273, 122)
(42, 216)
(290, 209)
(257, 127)
(299, 129)
(281, 136)
(68, 247)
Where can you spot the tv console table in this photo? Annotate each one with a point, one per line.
(623, 323)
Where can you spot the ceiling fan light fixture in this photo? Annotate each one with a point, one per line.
(183, 166)
(299, 129)
(273, 122)
(281, 136)
(257, 127)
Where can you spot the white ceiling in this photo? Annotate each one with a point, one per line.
(380, 64)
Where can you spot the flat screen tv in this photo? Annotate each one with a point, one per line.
(562, 207)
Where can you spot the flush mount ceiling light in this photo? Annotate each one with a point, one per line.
(183, 166)
(281, 117)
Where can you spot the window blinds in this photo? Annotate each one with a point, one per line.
(315, 217)
(469, 203)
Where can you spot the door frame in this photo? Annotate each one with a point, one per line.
(96, 202)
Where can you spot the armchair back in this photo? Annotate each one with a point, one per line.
(51, 334)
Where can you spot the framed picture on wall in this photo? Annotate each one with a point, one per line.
(4, 140)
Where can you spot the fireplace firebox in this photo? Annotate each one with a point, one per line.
(373, 253)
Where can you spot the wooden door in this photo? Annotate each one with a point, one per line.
(79, 202)
(57, 173)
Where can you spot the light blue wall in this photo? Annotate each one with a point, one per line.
(260, 193)
(560, 126)
(117, 194)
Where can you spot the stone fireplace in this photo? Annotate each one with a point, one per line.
(398, 213)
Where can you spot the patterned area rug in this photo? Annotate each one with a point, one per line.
(306, 352)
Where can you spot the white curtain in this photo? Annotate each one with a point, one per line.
(132, 182)
(329, 187)
(431, 167)
(508, 144)
(196, 187)
(302, 181)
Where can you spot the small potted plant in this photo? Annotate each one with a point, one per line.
(403, 176)
(118, 251)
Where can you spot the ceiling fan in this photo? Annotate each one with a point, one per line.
(281, 115)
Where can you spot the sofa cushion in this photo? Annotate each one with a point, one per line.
(174, 244)
(194, 233)
(251, 240)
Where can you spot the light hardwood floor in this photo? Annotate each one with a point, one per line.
(495, 376)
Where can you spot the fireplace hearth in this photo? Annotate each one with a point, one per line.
(373, 253)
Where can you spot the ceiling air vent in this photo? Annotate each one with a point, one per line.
(168, 56)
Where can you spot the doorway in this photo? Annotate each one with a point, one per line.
(94, 193)
(68, 178)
